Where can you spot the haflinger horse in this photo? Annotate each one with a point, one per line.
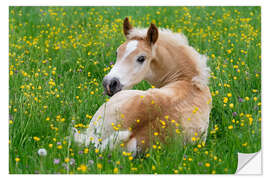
(180, 95)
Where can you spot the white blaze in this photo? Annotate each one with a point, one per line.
(119, 70)
(131, 46)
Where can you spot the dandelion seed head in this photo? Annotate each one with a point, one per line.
(42, 152)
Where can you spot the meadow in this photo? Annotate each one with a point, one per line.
(58, 57)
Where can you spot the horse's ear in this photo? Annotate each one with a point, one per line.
(126, 26)
(152, 34)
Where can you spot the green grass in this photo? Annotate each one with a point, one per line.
(59, 55)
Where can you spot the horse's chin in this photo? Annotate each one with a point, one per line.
(111, 93)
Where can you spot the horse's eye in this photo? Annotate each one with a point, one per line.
(141, 59)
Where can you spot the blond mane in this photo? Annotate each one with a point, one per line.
(176, 38)
(179, 39)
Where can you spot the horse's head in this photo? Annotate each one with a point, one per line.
(133, 60)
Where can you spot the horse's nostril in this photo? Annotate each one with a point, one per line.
(111, 86)
(114, 84)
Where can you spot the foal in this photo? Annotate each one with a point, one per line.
(181, 97)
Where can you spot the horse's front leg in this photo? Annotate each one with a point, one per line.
(101, 137)
(101, 132)
(86, 137)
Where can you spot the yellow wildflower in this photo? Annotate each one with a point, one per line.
(115, 170)
(99, 166)
(67, 160)
(36, 138)
(17, 159)
(86, 150)
(82, 168)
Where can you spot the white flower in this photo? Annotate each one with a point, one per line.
(42, 152)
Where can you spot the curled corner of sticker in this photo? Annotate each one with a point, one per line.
(249, 163)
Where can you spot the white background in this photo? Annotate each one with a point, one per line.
(265, 78)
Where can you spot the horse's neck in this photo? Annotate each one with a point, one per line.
(171, 64)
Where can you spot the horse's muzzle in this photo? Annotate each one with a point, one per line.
(111, 86)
